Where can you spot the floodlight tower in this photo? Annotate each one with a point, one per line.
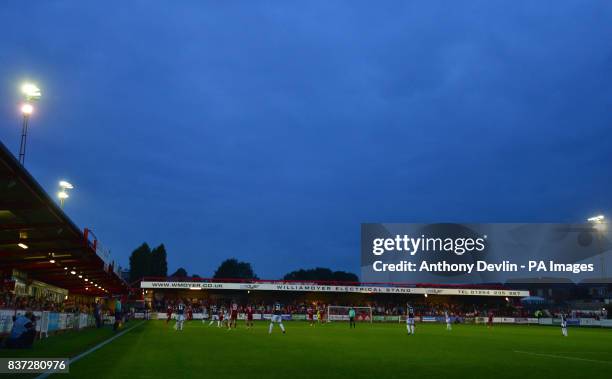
(599, 225)
(31, 94)
(63, 194)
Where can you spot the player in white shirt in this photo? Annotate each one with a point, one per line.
(214, 312)
(448, 321)
(204, 314)
(410, 321)
(564, 325)
(222, 318)
(180, 316)
(277, 317)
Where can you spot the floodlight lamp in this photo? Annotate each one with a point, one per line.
(27, 109)
(596, 219)
(31, 91)
(65, 185)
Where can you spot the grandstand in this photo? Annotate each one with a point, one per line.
(386, 299)
(47, 263)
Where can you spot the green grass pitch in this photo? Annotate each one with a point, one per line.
(155, 350)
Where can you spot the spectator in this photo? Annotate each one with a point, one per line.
(118, 315)
(23, 332)
(98, 314)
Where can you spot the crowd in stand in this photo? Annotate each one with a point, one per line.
(9, 300)
(12, 301)
(602, 314)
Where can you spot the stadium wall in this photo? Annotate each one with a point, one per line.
(48, 322)
(582, 322)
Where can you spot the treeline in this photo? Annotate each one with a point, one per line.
(234, 269)
(145, 261)
(320, 273)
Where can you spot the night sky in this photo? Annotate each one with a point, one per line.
(268, 131)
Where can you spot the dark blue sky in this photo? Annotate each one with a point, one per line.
(269, 131)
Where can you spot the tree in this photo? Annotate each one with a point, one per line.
(159, 265)
(180, 273)
(320, 273)
(140, 262)
(147, 262)
(343, 276)
(233, 269)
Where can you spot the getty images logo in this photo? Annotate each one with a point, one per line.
(406, 244)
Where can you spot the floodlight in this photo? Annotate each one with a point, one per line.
(27, 109)
(65, 185)
(597, 219)
(30, 91)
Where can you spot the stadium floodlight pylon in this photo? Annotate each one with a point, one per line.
(340, 313)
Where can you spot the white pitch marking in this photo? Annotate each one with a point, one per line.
(562, 357)
(72, 360)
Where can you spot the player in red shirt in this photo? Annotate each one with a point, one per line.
(169, 313)
(233, 316)
(310, 313)
(189, 313)
(249, 317)
(490, 322)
